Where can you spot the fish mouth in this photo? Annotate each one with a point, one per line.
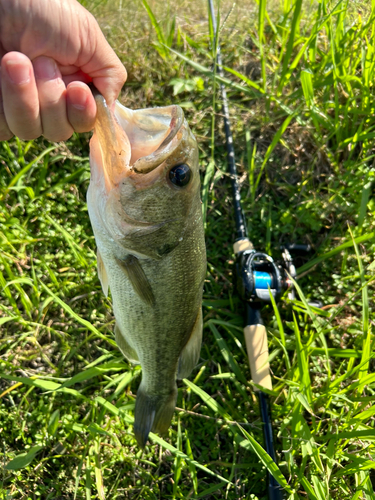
(153, 133)
(130, 144)
(136, 140)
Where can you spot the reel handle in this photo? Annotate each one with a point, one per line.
(295, 247)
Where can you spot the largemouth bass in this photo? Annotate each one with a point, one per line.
(145, 210)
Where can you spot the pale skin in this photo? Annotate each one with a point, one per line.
(49, 51)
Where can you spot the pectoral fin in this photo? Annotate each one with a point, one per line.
(102, 273)
(133, 270)
(129, 353)
(190, 353)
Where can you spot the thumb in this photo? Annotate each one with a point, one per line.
(107, 72)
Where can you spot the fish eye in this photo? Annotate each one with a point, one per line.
(180, 175)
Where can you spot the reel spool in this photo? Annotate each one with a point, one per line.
(257, 273)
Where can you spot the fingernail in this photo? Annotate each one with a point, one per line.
(19, 73)
(45, 68)
(78, 99)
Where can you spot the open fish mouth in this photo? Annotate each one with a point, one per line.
(153, 134)
(136, 140)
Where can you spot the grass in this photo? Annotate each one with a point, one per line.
(300, 83)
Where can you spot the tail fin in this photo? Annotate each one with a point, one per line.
(153, 412)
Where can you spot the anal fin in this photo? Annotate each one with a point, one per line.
(102, 273)
(190, 354)
(137, 277)
(129, 353)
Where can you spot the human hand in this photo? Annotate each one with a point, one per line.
(50, 50)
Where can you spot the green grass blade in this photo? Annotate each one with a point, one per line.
(207, 492)
(366, 343)
(335, 251)
(23, 459)
(307, 87)
(74, 315)
(176, 452)
(266, 460)
(271, 147)
(302, 357)
(309, 489)
(261, 17)
(93, 372)
(210, 170)
(79, 472)
(207, 399)
(159, 32)
(363, 206)
(227, 355)
(210, 74)
(291, 42)
(192, 468)
(24, 171)
(46, 385)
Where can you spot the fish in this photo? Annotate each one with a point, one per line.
(145, 210)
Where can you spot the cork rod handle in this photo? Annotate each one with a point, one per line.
(257, 351)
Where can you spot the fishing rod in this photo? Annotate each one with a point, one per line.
(257, 275)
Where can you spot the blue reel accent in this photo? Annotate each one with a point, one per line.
(262, 280)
